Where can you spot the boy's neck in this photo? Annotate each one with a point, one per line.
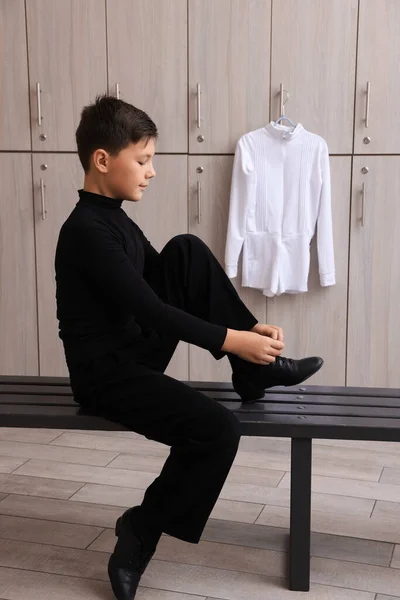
(89, 185)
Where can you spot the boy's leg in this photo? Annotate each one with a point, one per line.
(204, 438)
(189, 276)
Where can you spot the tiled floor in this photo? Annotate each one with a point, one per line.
(61, 492)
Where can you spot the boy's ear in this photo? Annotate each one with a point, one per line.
(100, 159)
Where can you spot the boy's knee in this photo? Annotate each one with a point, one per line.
(186, 239)
(234, 430)
(228, 429)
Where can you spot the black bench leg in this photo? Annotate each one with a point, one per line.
(300, 515)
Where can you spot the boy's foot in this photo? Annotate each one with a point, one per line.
(129, 560)
(283, 372)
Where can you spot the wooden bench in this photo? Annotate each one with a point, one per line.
(301, 414)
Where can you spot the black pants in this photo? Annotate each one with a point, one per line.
(203, 435)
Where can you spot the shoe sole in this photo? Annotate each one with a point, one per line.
(289, 385)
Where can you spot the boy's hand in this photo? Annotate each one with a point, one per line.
(251, 346)
(272, 331)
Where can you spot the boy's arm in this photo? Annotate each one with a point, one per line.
(103, 261)
(150, 253)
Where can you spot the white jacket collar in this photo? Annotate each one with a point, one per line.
(283, 131)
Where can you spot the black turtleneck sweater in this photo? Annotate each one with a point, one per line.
(103, 299)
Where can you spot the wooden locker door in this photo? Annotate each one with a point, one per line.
(62, 177)
(229, 57)
(314, 323)
(374, 279)
(67, 57)
(162, 214)
(314, 57)
(215, 181)
(378, 63)
(147, 59)
(18, 308)
(15, 131)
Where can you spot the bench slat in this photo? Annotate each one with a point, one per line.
(278, 425)
(37, 394)
(63, 382)
(280, 405)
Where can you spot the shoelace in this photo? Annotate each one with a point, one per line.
(282, 361)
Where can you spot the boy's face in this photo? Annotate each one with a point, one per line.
(126, 175)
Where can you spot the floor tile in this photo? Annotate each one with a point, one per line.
(390, 475)
(323, 545)
(94, 441)
(255, 476)
(342, 525)
(37, 486)
(237, 474)
(359, 456)
(87, 474)
(132, 435)
(231, 510)
(229, 585)
(222, 532)
(352, 575)
(113, 495)
(48, 558)
(356, 489)
(369, 446)
(321, 466)
(47, 532)
(386, 510)
(138, 462)
(9, 464)
(33, 436)
(280, 496)
(264, 443)
(223, 556)
(18, 584)
(396, 558)
(67, 455)
(59, 510)
(27, 585)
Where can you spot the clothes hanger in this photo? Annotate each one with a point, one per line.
(283, 117)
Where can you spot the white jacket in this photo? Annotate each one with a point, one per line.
(280, 191)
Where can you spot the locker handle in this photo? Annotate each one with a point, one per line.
(117, 91)
(39, 104)
(199, 202)
(198, 106)
(367, 103)
(42, 198)
(363, 199)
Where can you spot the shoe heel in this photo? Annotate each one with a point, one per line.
(118, 527)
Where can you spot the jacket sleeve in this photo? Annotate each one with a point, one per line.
(326, 258)
(103, 260)
(240, 198)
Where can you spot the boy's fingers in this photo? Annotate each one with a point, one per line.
(277, 344)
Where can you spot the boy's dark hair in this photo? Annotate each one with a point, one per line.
(111, 124)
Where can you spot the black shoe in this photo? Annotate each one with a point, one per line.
(128, 561)
(283, 372)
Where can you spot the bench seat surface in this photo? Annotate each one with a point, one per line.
(304, 411)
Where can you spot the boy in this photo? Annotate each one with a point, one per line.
(122, 309)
